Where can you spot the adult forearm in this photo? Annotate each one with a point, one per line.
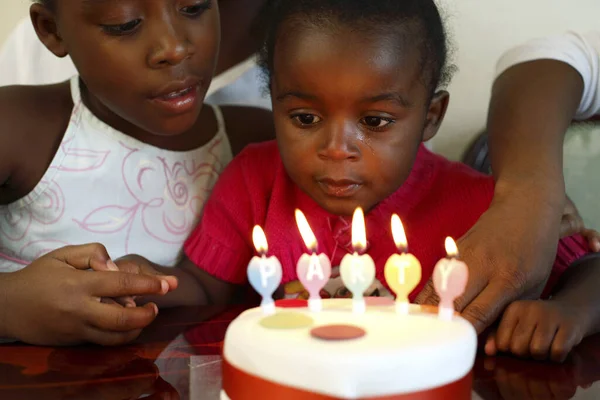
(531, 108)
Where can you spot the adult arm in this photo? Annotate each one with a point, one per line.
(542, 86)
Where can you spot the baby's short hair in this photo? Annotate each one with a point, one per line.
(421, 18)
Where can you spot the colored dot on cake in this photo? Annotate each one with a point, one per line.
(291, 303)
(287, 320)
(338, 332)
(379, 301)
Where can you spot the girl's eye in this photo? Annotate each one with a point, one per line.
(307, 119)
(196, 9)
(377, 122)
(122, 29)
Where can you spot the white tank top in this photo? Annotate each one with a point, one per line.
(104, 186)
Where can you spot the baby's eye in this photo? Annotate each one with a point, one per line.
(306, 119)
(196, 9)
(377, 122)
(122, 29)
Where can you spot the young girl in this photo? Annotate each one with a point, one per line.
(124, 154)
(355, 89)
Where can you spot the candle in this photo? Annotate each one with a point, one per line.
(313, 270)
(264, 273)
(449, 279)
(402, 271)
(358, 271)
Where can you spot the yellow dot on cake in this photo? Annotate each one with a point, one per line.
(287, 320)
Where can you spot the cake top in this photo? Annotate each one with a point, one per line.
(375, 353)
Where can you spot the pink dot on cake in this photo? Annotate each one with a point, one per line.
(379, 301)
(338, 332)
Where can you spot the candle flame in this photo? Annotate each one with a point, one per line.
(307, 234)
(359, 234)
(260, 240)
(398, 233)
(451, 248)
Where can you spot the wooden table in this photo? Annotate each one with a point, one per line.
(178, 358)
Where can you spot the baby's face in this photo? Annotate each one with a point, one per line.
(146, 62)
(350, 112)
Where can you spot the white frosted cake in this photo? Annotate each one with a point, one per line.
(415, 356)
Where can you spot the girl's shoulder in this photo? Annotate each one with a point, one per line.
(247, 125)
(33, 120)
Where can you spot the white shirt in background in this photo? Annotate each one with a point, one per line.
(581, 51)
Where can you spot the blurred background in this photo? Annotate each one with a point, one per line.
(482, 30)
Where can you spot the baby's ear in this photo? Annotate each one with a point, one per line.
(44, 23)
(435, 114)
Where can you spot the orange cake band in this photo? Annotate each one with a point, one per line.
(240, 385)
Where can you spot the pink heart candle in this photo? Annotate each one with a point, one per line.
(450, 278)
(313, 270)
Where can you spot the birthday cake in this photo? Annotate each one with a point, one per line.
(338, 354)
(358, 348)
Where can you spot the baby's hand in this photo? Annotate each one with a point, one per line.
(538, 329)
(135, 264)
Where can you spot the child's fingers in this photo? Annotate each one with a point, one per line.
(521, 337)
(543, 336)
(508, 323)
(120, 319)
(125, 301)
(564, 341)
(117, 284)
(122, 301)
(172, 281)
(136, 266)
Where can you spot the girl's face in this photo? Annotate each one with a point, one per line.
(145, 63)
(350, 112)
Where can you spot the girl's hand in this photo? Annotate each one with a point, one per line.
(540, 329)
(572, 224)
(135, 264)
(54, 301)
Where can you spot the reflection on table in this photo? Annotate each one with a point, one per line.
(178, 357)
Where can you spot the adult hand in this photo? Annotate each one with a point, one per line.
(510, 252)
(54, 301)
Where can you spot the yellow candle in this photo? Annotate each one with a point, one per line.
(402, 271)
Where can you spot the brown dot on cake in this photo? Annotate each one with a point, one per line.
(338, 332)
(287, 320)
